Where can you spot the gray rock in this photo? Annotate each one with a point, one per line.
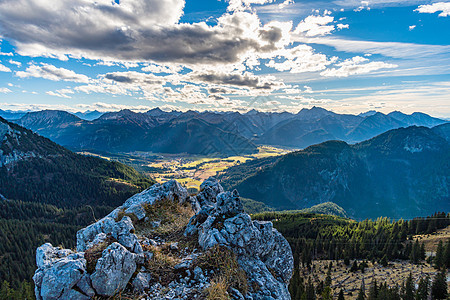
(99, 238)
(229, 204)
(209, 190)
(74, 295)
(122, 231)
(263, 253)
(170, 190)
(198, 273)
(259, 246)
(88, 234)
(56, 276)
(85, 285)
(137, 210)
(173, 246)
(260, 276)
(113, 270)
(235, 294)
(141, 282)
(47, 254)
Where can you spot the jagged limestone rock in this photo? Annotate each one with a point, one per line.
(263, 253)
(141, 282)
(170, 190)
(209, 190)
(59, 270)
(262, 250)
(113, 270)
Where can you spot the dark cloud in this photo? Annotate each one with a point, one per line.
(119, 78)
(240, 80)
(138, 30)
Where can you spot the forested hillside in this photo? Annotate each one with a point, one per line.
(33, 168)
(47, 193)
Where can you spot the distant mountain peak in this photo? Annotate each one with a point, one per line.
(155, 112)
(367, 113)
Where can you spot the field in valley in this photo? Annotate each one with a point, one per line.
(189, 170)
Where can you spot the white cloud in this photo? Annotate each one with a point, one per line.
(299, 59)
(362, 6)
(51, 72)
(412, 27)
(443, 7)
(5, 90)
(285, 3)
(157, 68)
(16, 63)
(315, 26)
(342, 26)
(356, 66)
(4, 68)
(63, 93)
(236, 5)
(6, 54)
(390, 49)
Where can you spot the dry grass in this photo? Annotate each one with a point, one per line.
(432, 240)
(394, 275)
(217, 290)
(226, 269)
(173, 216)
(162, 264)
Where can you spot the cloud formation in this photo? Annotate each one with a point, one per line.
(51, 72)
(356, 66)
(443, 7)
(4, 68)
(133, 30)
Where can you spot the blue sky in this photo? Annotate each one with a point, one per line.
(347, 56)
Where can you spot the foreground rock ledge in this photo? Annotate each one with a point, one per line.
(117, 254)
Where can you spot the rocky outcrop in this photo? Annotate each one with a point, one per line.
(118, 254)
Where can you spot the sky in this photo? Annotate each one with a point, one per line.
(348, 56)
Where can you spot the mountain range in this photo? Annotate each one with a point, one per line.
(402, 173)
(222, 133)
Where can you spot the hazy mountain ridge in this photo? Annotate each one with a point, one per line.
(401, 173)
(129, 131)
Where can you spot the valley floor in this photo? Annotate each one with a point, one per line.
(189, 170)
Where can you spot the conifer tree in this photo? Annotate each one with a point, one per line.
(408, 290)
(373, 291)
(439, 258)
(422, 290)
(439, 287)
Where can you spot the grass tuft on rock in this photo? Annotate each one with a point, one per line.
(226, 269)
(173, 217)
(217, 290)
(161, 265)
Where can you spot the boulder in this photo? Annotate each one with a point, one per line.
(113, 270)
(58, 272)
(141, 282)
(171, 190)
(122, 231)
